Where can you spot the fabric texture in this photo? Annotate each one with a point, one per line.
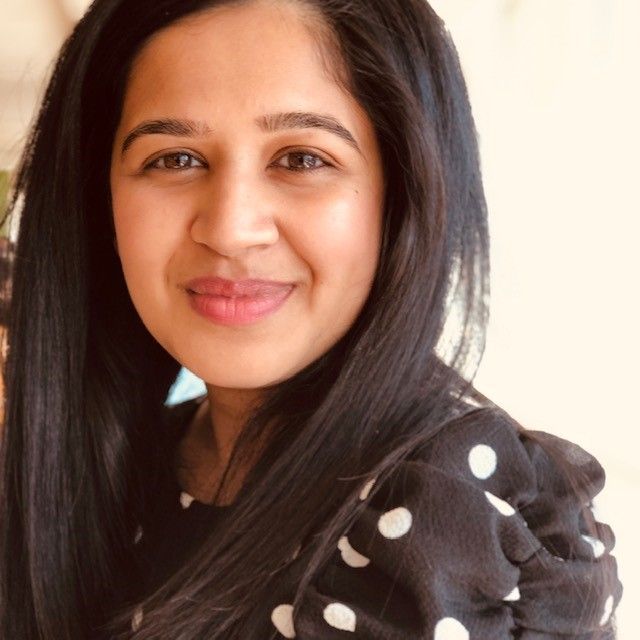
(477, 537)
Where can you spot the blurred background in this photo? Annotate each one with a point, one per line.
(554, 86)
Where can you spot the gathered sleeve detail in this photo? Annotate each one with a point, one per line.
(479, 537)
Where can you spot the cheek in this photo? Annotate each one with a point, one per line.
(146, 235)
(340, 242)
(144, 224)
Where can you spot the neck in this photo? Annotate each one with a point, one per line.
(205, 449)
(224, 415)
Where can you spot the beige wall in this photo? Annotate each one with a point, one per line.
(553, 83)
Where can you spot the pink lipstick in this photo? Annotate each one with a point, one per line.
(237, 302)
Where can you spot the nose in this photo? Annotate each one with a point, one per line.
(235, 212)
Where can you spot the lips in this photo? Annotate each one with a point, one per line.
(235, 288)
(238, 302)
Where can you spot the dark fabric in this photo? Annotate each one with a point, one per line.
(172, 531)
(479, 537)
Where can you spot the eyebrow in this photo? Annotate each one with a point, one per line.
(271, 122)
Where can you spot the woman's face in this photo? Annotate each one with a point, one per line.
(230, 189)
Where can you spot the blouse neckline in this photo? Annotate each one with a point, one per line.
(183, 413)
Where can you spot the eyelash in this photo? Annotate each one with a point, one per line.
(301, 152)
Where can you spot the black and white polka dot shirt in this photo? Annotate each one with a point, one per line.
(479, 534)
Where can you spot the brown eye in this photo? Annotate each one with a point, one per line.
(304, 161)
(177, 161)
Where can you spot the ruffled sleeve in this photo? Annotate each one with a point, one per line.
(480, 537)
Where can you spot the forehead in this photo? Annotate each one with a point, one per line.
(234, 57)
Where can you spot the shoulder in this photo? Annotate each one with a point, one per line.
(487, 450)
(483, 533)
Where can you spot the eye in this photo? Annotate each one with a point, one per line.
(176, 161)
(304, 161)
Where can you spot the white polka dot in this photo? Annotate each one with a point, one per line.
(503, 507)
(136, 621)
(282, 618)
(395, 523)
(138, 535)
(483, 461)
(340, 616)
(350, 555)
(596, 545)
(364, 494)
(514, 595)
(186, 500)
(608, 609)
(450, 629)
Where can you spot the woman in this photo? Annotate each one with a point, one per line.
(341, 477)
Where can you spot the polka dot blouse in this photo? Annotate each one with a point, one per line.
(477, 538)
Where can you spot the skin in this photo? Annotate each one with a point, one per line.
(236, 207)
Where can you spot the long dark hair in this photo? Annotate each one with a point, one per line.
(81, 452)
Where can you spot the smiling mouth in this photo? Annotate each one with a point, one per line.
(239, 309)
(217, 286)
